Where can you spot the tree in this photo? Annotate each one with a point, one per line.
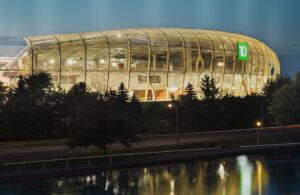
(3, 95)
(285, 104)
(135, 112)
(91, 126)
(209, 90)
(26, 113)
(190, 94)
(99, 120)
(122, 94)
(56, 100)
(274, 84)
(188, 105)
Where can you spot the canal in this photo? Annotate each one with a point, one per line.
(229, 176)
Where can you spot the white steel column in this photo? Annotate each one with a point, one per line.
(60, 60)
(129, 57)
(199, 58)
(108, 59)
(84, 58)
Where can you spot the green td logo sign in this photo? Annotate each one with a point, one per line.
(243, 49)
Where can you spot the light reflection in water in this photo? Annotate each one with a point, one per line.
(218, 177)
(259, 176)
(245, 168)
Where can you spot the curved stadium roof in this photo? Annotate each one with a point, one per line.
(153, 51)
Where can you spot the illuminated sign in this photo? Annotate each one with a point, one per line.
(243, 51)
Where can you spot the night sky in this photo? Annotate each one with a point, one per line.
(275, 22)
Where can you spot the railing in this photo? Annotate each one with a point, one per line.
(55, 167)
(83, 165)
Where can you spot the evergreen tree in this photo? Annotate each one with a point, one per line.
(110, 95)
(209, 89)
(285, 104)
(274, 84)
(3, 95)
(78, 90)
(190, 94)
(26, 113)
(122, 94)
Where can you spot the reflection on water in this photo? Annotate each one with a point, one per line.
(245, 168)
(241, 175)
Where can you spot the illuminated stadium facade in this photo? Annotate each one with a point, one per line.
(152, 63)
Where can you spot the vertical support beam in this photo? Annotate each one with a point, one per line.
(199, 58)
(258, 66)
(234, 54)
(250, 68)
(212, 54)
(60, 60)
(129, 58)
(149, 68)
(108, 59)
(224, 61)
(84, 57)
(269, 57)
(261, 64)
(168, 62)
(243, 80)
(29, 42)
(184, 61)
(267, 62)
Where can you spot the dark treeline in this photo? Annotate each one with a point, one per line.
(36, 109)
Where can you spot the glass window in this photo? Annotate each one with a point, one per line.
(118, 42)
(193, 58)
(96, 53)
(206, 52)
(218, 63)
(46, 57)
(139, 52)
(159, 52)
(176, 62)
(72, 55)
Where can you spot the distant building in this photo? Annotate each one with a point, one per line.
(153, 63)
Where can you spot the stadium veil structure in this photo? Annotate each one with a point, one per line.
(153, 63)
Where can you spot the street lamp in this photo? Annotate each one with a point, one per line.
(170, 105)
(258, 125)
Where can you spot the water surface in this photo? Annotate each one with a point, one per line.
(231, 176)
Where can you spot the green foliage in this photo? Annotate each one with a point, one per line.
(36, 109)
(27, 112)
(101, 119)
(285, 104)
(3, 95)
(190, 94)
(122, 94)
(209, 90)
(274, 84)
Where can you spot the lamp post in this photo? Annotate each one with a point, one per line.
(170, 105)
(258, 125)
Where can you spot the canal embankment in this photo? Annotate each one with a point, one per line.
(14, 171)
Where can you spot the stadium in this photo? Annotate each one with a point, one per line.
(153, 63)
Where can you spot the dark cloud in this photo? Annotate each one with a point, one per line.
(11, 40)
